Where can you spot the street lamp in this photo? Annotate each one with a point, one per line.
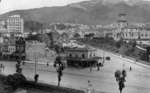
(36, 60)
(37, 56)
(59, 67)
(103, 56)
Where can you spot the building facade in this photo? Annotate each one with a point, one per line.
(2, 26)
(82, 57)
(81, 53)
(122, 29)
(15, 24)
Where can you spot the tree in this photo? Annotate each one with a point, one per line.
(15, 80)
(134, 43)
(118, 44)
(59, 67)
(33, 37)
(57, 49)
(77, 35)
(120, 78)
(33, 25)
(18, 68)
(148, 50)
(89, 35)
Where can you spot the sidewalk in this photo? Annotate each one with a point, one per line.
(42, 63)
(127, 59)
(119, 56)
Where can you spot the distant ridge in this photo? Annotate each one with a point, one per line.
(91, 12)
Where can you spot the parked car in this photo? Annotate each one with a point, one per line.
(107, 58)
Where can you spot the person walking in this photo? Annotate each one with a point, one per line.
(47, 64)
(98, 65)
(36, 78)
(130, 68)
(123, 64)
(3, 67)
(91, 69)
(90, 88)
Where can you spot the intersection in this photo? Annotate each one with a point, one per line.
(138, 80)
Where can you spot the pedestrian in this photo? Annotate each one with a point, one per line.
(23, 63)
(89, 83)
(98, 68)
(47, 64)
(91, 69)
(3, 67)
(90, 88)
(130, 68)
(36, 78)
(123, 64)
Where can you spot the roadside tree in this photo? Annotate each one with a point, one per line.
(120, 78)
(58, 64)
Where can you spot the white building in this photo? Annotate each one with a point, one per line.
(15, 24)
(2, 26)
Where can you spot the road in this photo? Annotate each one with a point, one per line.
(138, 80)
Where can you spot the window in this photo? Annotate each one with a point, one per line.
(132, 35)
(90, 55)
(70, 55)
(142, 35)
(83, 55)
(76, 55)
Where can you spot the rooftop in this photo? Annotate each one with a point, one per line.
(83, 59)
(81, 49)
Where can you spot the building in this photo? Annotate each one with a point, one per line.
(82, 57)
(20, 45)
(54, 38)
(2, 26)
(8, 46)
(34, 48)
(122, 29)
(15, 24)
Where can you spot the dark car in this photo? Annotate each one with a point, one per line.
(107, 58)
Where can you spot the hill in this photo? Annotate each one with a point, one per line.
(91, 12)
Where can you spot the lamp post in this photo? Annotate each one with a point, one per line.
(36, 57)
(103, 56)
(35, 61)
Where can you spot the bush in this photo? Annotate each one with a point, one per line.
(15, 80)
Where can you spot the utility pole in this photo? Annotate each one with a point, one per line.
(35, 61)
(103, 56)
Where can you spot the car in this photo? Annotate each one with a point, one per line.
(107, 58)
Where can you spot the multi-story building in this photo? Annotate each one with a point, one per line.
(15, 24)
(124, 30)
(83, 57)
(2, 26)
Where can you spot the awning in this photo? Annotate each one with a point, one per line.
(84, 59)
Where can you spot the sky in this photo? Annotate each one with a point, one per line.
(9, 5)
